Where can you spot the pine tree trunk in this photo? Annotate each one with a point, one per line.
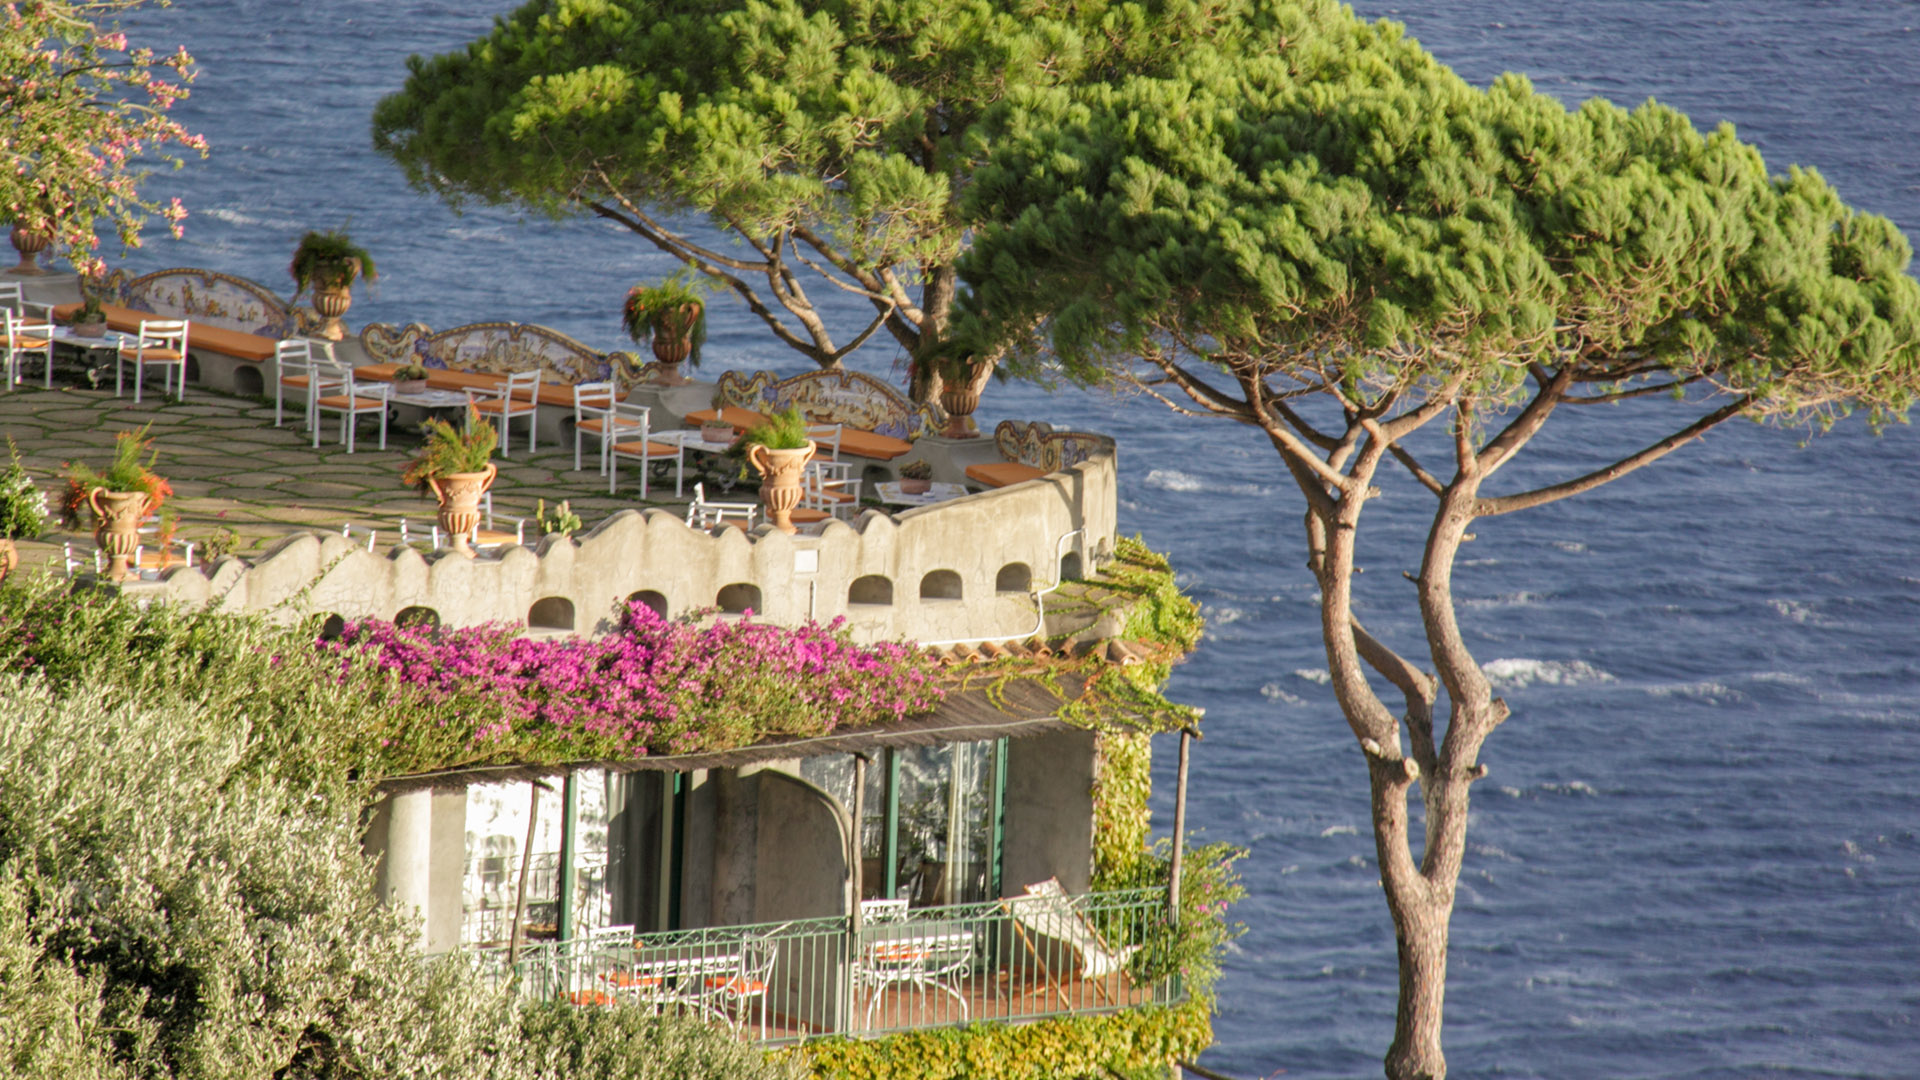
(1420, 932)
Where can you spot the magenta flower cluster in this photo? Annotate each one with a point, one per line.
(656, 686)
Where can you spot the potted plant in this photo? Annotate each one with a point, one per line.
(962, 376)
(91, 319)
(23, 510)
(564, 521)
(410, 378)
(120, 497)
(673, 317)
(718, 429)
(780, 449)
(328, 263)
(916, 478)
(456, 467)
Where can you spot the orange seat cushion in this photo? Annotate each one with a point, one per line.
(31, 343)
(514, 407)
(654, 449)
(295, 380)
(590, 997)
(737, 984)
(1002, 473)
(803, 516)
(153, 355)
(898, 952)
(339, 401)
(627, 980)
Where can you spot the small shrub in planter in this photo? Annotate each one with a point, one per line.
(916, 478)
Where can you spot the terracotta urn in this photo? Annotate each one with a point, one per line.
(780, 481)
(29, 245)
(118, 532)
(915, 486)
(89, 329)
(959, 401)
(671, 349)
(717, 431)
(332, 302)
(409, 386)
(459, 494)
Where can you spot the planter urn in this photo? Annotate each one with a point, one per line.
(29, 244)
(780, 481)
(118, 531)
(332, 302)
(959, 401)
(89, 329)
(673, 343)
(459, 495)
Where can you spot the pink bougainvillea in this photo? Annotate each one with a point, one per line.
(656, 686)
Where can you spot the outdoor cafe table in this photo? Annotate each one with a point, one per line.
(891, 494)
(853, 441)
(665, 976)
(555, 394)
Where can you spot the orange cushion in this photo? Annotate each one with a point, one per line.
(31, 343)
(736, 984)
(153, 355)
(295, 380)
(628, 980)
(514, 407)
(898, 952)
(339, 401)
(1002, 473)
(590, 997)
(803, 516)
(654, 449)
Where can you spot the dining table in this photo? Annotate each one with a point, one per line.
(890, 494)
(854, 442)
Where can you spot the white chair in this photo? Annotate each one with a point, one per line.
(352, 401)
(704, 515)
(162, 343)
(26, 339)
(295, 363)
(519, 396)
(831, 487)
(353, 532)
(826, 439)
(732, 994)
(491, 535)
(592, 407)
(626, 435)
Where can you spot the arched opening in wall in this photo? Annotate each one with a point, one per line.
(424, 617)
(738, 597)
(247, 381)
(657, 601)
(191, 370)
(940, 585)
(1070, 568)
(551, 613)
(1014, 577)
(872, 589)
(332, 627)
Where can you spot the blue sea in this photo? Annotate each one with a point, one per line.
(1695, 855)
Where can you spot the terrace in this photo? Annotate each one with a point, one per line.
(933, 870)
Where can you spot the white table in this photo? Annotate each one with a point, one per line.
(691, 439)
(429, 399)
(112, 339)
(891, 494)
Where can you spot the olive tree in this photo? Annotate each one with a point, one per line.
(829, 141)
(1342, 244)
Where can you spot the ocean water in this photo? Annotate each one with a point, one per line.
(1695, 855)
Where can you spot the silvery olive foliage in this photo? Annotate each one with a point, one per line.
(169, 907)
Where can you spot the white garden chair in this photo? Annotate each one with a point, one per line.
(24, 340)
(704, 515)
(626, 435)
(294, 365)
(336, 390)
(518, 396)
(593, 404)
(161, 343)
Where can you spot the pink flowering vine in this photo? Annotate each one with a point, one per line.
(655, 686)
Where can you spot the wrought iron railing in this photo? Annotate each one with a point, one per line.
(1016, 959)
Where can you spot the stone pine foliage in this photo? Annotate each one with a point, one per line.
(830, 141)
(83, 119)
(1382, 268)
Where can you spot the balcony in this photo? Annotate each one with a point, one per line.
(1023, 958)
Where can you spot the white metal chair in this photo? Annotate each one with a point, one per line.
(826, 439)
(295, 364)
(353, 400)
(593, 404)
(26, 339)
(732, 994)
(627, 435)
(162, 343)
(831, 487)
(353, 532)
(518, 396)
(703, 515)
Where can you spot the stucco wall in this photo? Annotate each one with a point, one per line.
(1049, 816)
(798, 577)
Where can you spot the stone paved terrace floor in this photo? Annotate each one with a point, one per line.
(232, 469)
